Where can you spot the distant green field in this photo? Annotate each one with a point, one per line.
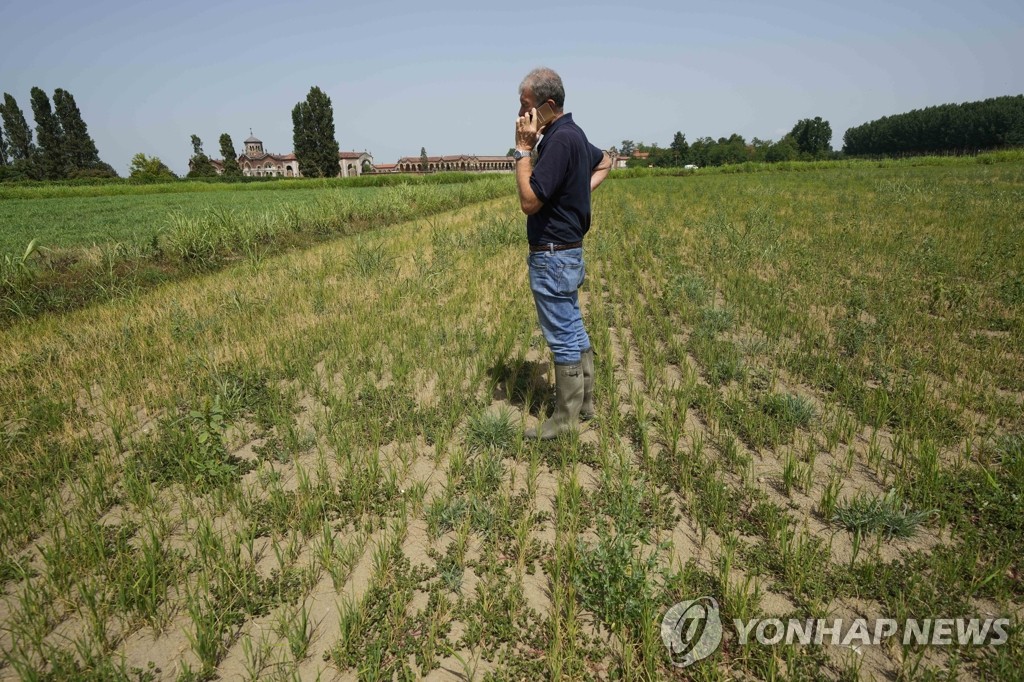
(61, 253)
(69, 215)
(81, 221)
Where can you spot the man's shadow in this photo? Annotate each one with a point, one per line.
(522, 383)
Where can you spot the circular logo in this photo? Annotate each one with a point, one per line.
(691, 630)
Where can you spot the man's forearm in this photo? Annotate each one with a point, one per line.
(598, 175)
(528, 201)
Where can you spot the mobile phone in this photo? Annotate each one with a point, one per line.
(544, 114)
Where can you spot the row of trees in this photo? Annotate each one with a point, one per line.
(957, 128)
(809, 139)
(967, 127)
(62, 147)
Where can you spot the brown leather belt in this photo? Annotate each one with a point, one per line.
(534, 248)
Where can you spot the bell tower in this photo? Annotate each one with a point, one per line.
(253, 146)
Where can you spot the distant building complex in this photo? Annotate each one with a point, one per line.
(469, 163)
(257, 162)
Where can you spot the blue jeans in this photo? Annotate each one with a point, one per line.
(555, 279)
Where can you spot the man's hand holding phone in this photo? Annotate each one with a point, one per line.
(530, 125)
(527, 130)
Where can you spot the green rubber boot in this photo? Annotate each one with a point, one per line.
(568, 399)
(587, 363)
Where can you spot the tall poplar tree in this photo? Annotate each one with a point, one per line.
(53, 156)
(19, 138)
(80, 149)
(227, 150)
(316, 147)
(424, 160)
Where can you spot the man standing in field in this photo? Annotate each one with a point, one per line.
(555, 196)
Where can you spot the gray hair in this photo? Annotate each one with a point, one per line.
(544, 84)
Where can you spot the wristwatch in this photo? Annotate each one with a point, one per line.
(519, 153)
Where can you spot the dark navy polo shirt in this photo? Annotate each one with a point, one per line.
(561, 180)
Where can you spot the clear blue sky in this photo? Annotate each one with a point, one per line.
(444, 75)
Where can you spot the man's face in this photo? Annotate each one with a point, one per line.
(526, 102)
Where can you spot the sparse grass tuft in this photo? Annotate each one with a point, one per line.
(788, 410)
(490, 430)
(368, 259)
(885, 516)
